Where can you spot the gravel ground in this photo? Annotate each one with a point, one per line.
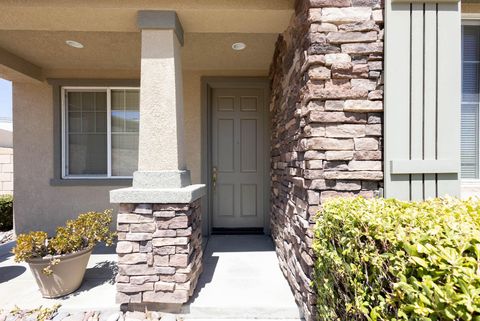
(53, 314)
(6, 236)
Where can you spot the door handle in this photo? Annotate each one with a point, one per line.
(214, 178)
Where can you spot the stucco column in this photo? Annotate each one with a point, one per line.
(162, 176)
(161, 156)
(159, 221)
(161, 142)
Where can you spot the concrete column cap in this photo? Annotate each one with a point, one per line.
(161, 179)
(162, 20)
(181, 195)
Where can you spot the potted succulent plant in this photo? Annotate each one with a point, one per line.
(58, 264)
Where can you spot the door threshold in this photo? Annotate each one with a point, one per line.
(237, 231)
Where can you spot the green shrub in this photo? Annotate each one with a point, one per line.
(6, 212)
(390, 260)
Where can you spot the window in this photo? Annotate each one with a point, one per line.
(470, 100)
(100, 132)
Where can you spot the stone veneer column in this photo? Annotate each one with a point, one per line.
(159, 252)
(327, 111)
(159, 223)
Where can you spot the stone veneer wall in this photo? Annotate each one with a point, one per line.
(159, 252)
(327, 103)
(6, 170)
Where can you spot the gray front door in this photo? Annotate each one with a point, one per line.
(237, 157)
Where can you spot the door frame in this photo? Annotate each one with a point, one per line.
(208, 84)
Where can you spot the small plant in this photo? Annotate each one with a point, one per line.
(6, 212)
(78, 234)
(31, 245)
(38, 314)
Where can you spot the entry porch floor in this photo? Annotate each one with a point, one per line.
(241, 279)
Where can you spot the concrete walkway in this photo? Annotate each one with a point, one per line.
(241, 279)
(18, 287)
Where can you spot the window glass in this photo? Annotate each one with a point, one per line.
(470, 82)
(470, 101)
(87, 148)
(125, 119)
(118, 110)
(86, 133)
(471, 46)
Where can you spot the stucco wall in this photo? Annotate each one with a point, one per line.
(38, 205)
(193, 124)
(470, 7)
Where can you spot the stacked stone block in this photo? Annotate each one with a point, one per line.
(6, 170)
(159, 252)
(327, 110)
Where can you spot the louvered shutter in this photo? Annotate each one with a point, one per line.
(422, 99)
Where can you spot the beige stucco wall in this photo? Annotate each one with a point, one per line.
(161, 99)
(470, 7)
(38, 205)
(193, 125)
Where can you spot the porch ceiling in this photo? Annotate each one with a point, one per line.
(35, 32)
(224, 16)
(121, 50)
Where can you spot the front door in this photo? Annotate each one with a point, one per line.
(237, 157)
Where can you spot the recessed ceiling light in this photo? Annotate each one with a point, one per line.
(74, 44)
(239, 46)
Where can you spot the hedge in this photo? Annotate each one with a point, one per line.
(383, 259)
(6, 212)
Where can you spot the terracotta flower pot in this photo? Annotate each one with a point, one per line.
(67, 274)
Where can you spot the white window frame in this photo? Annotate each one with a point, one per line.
(64, 125)
(470, 19)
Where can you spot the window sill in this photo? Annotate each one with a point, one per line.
(91, 182)
(470, 182)
(470, 188)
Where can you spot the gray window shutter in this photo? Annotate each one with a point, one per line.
(422, 99)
